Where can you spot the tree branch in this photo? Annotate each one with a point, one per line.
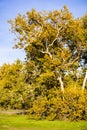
(68, 64)
(58, 30)
(74, 60)
(47, 51)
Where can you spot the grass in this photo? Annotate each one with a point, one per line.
(21, 122)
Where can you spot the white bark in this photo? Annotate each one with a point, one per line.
(47, 51)
(50, 45)
(61, 83)
(84, 81)
(58, 31)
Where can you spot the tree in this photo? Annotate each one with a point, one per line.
(53, 42)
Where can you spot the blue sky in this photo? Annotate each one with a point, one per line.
(9, 10)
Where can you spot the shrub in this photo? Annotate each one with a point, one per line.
(72, 105)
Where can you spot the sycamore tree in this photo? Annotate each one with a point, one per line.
(53, 42)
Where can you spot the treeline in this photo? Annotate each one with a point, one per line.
(51, 82)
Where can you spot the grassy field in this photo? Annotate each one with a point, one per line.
(21, 122)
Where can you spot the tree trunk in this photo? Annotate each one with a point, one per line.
(61, 83)
(84, 81)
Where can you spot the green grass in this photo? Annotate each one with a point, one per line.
(21, 122)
